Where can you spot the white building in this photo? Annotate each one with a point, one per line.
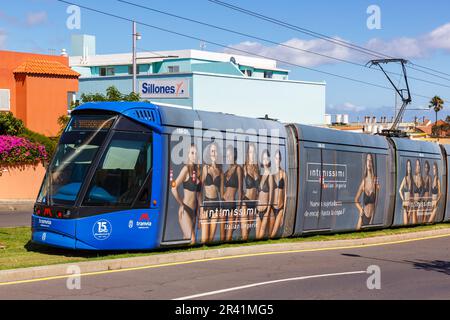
(208, 81)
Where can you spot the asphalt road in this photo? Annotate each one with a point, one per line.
(15, 218)
(414, 270)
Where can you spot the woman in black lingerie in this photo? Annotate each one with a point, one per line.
(265, 196)
(426, 198)
(279, 197)
(405, 193)
(233, 194)
(435, 193)
(212, 181)
(368, 189)
(418, 191)
(190, 180)
(251, 182)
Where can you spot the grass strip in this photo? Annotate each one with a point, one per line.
(19, 252)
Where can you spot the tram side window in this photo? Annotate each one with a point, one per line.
(122, 171)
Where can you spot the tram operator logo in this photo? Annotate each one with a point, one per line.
(102, 229)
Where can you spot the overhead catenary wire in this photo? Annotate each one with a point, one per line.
(325, 37)
(271, 41)
(231, 48)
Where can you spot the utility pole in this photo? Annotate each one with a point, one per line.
(136, 36)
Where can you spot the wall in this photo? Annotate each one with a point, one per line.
(124, 85)
(54, 90)
(100, 84)
(21, 183)
(226, 68)
(288, 101)
(10, 60)
(21, 97)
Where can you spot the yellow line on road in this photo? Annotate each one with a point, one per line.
(225, 258)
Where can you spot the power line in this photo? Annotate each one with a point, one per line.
(270, 41)
(231, 48)
(437, 71)
(322, 36)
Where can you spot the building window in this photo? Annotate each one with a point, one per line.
(106, 71)
(4, 100)
(174, 69)
(130, 69)
(71, 101)
(268, 74)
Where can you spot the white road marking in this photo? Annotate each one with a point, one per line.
(269, 282)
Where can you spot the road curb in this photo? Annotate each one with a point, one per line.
(61, 270)
(17, 205)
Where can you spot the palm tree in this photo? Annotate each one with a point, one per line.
(437, 104)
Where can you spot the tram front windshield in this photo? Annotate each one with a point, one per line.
(77, 149)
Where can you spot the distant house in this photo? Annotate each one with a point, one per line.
(37, 89)
(427, 127)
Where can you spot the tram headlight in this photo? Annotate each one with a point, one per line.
(67, 213)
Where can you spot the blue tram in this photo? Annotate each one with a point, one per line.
(137, 176)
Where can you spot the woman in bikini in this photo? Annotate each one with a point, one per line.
(265, 196)
(368, 189)
(279, 197)
(232, 195)
(417, 192)
(212, 181)
(435, 193)
(405, 193)
(189, 178)
(426, 198)
(251, 182)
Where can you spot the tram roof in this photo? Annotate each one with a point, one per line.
(338, 137)
(185, 118)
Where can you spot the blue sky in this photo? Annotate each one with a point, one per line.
(419, 31)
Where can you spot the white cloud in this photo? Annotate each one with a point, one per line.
(286, 53)
(439, 38)
(419, 47)
(2, 39)
(407, 48)
(36, 18)
(402, 47)
(345, 107)
(9, 19)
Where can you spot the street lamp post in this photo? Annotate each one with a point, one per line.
(136, 36)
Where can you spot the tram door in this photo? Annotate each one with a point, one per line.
(312, 190)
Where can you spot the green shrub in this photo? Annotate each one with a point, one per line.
(112, 94)
(63, 121)
(48, 143)
(9, 125)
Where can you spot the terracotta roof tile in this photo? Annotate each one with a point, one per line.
(47, 67)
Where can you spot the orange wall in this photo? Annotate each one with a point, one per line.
(10, 60)
(36, 100)
(21, 97)
(46, 101)
(21, 183)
